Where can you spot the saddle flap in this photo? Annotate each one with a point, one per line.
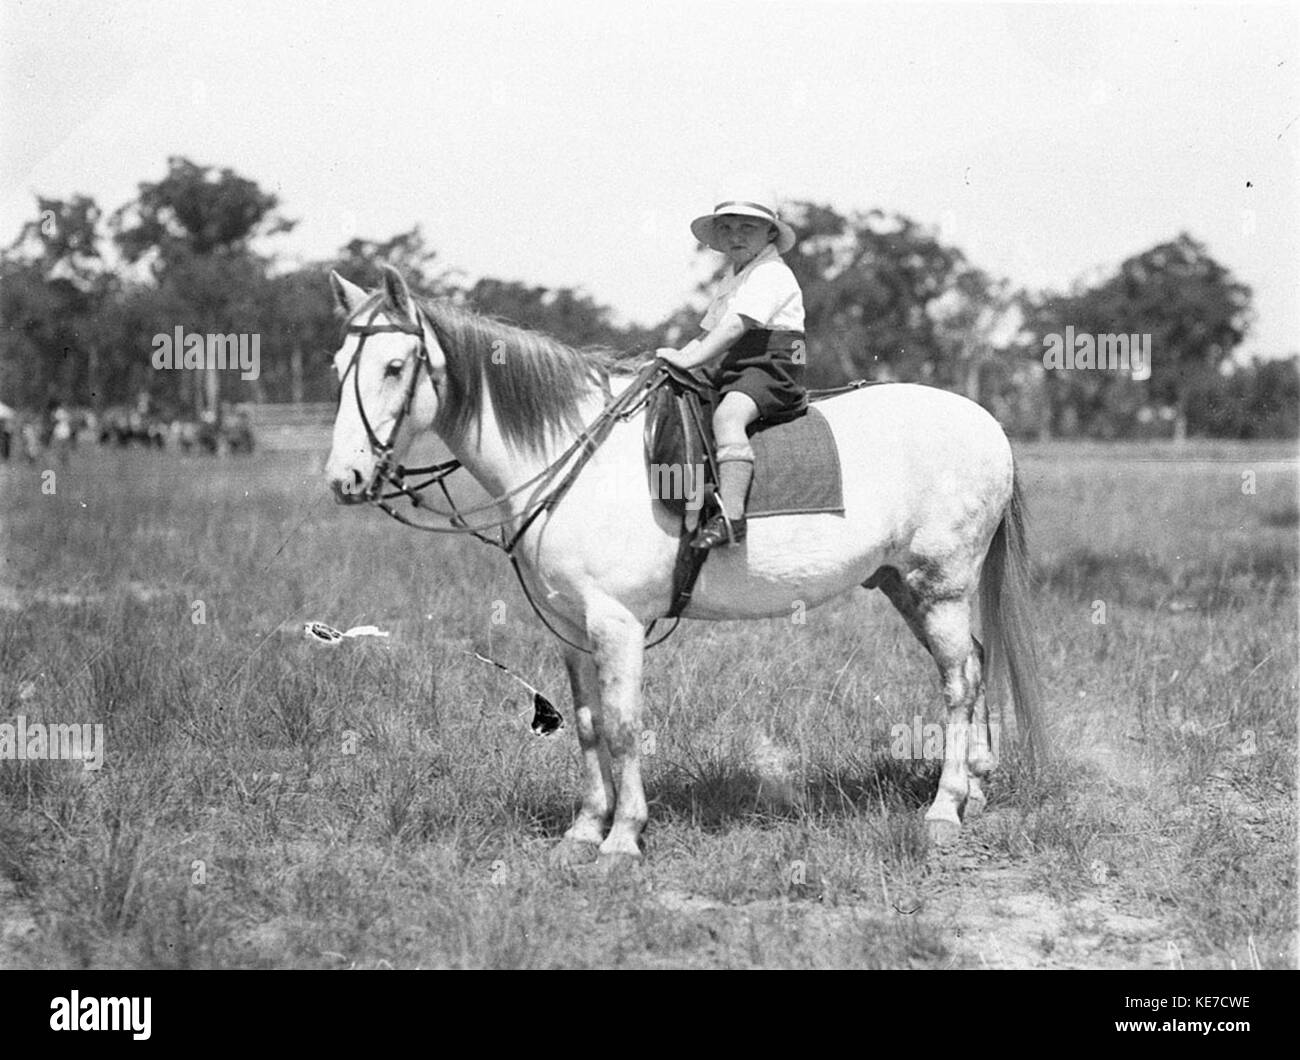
(678, 440)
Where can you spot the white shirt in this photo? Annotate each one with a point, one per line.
(764, 291)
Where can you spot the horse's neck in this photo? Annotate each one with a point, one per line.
(499, 468)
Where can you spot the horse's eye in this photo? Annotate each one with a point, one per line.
(393, 369)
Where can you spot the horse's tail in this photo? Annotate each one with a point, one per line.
(1008, 628)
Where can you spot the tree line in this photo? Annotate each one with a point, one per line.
(82, 296)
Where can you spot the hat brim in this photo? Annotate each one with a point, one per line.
(702, 228)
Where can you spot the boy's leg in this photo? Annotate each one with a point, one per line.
(735, 456)
(735, 466)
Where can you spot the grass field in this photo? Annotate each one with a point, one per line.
(270, 802)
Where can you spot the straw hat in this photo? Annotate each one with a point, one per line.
(702, 227)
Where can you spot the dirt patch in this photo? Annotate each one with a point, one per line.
(988, 914)
(993, 916)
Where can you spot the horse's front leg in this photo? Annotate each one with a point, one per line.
(619, 645)
(588, 828)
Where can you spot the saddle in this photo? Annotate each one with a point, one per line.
(796, 464)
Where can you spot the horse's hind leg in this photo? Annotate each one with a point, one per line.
(980, 747)
(943, 626)
(588, 828)
(948, 632)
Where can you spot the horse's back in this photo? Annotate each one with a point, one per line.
(917, 448)
(891, 412)
(926, 474)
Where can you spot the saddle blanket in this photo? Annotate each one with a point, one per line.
(796, 469)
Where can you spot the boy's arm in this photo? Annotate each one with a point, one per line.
(709, 346)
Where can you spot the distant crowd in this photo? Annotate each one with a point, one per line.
(60, 430)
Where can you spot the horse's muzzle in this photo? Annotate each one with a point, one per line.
(348, 488)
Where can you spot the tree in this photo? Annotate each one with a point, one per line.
(408, 252)
(300, 335)
(974, 321)
(195, 211)
(1192, 308)
(195, 230)
(54, 286)
(1259, 400)
(1195, 312)
(63, 240)
(569, 315)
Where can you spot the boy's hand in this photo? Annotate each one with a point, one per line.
(672, 355)
(708, 347)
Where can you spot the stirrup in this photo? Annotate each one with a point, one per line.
(720, 530)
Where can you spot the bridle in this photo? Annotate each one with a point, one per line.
(549, 485)
(386, 472)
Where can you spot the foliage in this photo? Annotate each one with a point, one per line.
(195, 212)
(1192, 308)
(1257, 401)
(871, 285)
(83, 298)
(408, 252)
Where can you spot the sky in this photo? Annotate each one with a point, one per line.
(571, 143)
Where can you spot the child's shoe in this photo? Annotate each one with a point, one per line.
(716, 532)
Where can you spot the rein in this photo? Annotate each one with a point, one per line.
(553, 479)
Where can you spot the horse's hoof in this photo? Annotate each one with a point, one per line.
(617, 863)
(942, 833)
(570, 853)
(973, 809)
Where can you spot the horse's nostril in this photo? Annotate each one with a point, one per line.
(356, 477)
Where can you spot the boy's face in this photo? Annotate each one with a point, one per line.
(741, 238)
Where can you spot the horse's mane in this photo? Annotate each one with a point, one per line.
(536, 384)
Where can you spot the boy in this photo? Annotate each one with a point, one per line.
(753, 345)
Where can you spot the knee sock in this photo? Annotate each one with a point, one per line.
(735, 470)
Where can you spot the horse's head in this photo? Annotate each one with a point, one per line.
(390, 370)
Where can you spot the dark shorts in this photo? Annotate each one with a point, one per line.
(762, 366)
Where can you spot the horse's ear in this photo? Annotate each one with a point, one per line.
(396, 291)
(347, 295)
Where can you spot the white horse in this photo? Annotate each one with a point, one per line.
(932, 513)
